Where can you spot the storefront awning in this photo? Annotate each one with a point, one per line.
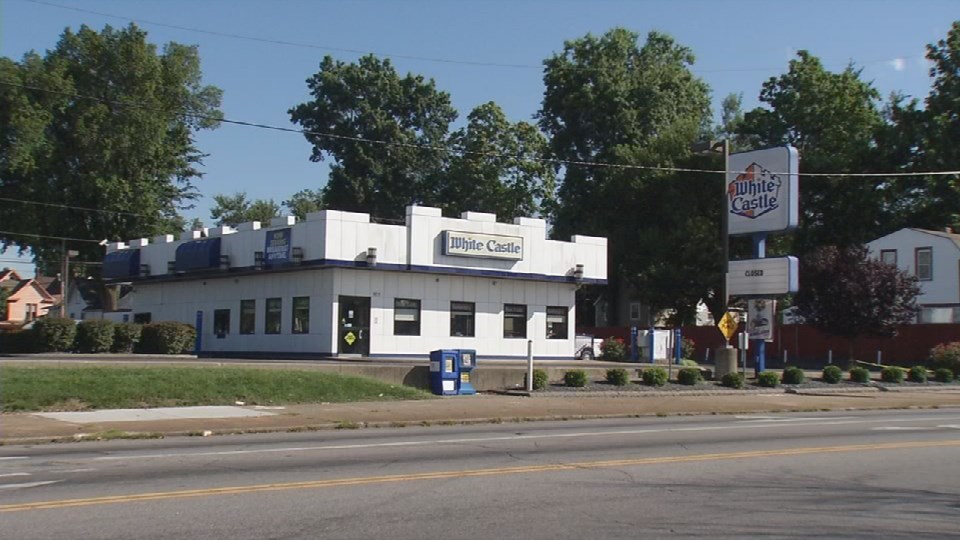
(198, 255)
(122, 263)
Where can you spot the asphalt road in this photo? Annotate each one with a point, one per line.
(837, 475)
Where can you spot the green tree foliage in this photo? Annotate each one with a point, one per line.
(369, 100)
(832, 119)
(103, 120)
(497, 167)
(304, 202)
(847, 293)
(235, 209)
(609, 100)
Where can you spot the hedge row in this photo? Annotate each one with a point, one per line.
(55, 334)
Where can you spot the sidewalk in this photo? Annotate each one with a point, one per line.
(25, 428)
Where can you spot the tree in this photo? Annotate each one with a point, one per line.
(104, 121)
(847, 293)
(236, 209)
(386, 134)
(496, 167)
(304, 202)
(832, 119)
(611, 101)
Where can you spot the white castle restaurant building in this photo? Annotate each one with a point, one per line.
(338, 284)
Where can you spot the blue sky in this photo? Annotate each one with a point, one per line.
(738, 45)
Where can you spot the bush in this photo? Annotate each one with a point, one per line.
(918, 374)
(686, 362)
(613, 349)
(793, 375)
(943, 375)
(689, 376)
(860, 375)
(95, 336)
(732, 380)
(768, 379)
(655, 376)
(167, 337)
(618, 377)
(946, 355)
(576, 378)
(125, 337)
(892, 374)
(17, 341)
(54, 334)
(688, 348)
(832, 374)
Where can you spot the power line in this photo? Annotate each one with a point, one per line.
(554, 161)
(382, 54)
(75, 207)
(13, 233)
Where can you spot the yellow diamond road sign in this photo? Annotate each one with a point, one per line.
(727, 325)
(350, 338)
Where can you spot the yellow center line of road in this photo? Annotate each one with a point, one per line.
(443, 475)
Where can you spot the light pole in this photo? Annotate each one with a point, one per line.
(65, 281)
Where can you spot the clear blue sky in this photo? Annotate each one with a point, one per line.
(738, 45)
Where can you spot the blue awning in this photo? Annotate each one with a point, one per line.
(198, 255)
(121, 263)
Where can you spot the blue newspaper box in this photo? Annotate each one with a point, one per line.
(444, 372)
(467, 362)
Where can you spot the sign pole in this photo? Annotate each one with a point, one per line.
(759, 345)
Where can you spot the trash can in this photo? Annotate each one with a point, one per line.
(444, 372)
(467, 359)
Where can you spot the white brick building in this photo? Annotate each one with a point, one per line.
(338, 284)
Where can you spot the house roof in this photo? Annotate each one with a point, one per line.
(9, 274)
(30, 283)
(943, 234)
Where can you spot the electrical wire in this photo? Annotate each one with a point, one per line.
(67, 206)
(554, 161)
(13, 233)
(146, 22)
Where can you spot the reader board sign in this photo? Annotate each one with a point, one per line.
(762, 191)
(489, 246)
(763, 277)
(277, 247)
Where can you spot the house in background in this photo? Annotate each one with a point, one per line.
(91, 300)
(27, 299)
(932, 256)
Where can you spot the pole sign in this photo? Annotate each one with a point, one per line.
(763, 277)
(762, 191)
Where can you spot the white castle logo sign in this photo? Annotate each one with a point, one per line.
(755, 192)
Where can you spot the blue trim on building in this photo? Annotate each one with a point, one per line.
(314, 264)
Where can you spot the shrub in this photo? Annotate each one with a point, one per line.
(613, 349)
(918, 374)
(832, 374)
(575, 377)
(655, 376)
(167, 337)
(17, 341)
(732, 380)
(860, 375)
(95, 336)
(125, 337)
(892, 374)
(54, 334)
(618, 377)
(768, 379)
(946, 355)
(943, 375)
(686, 362)
(688, 348)
(793, 375)
(689, 376)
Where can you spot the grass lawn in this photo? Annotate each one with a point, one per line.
(84, 388)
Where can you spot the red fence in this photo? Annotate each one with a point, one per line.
(808, 346)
